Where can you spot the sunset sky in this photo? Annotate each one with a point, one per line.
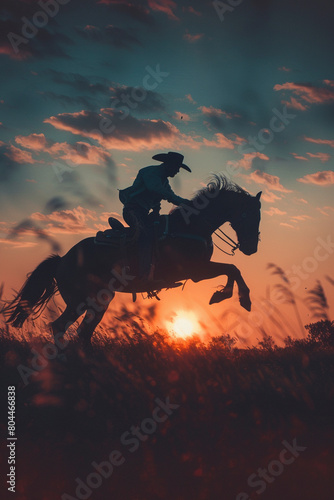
(89, 96)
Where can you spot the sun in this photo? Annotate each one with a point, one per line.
(184, 324)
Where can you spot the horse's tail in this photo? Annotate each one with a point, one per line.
(37, 290)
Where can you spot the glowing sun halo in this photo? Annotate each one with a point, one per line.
(184, 324)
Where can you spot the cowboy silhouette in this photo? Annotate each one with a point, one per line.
(149, 188)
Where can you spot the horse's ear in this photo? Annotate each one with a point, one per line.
(258, 195)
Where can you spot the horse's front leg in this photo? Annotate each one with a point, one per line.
(214, 269)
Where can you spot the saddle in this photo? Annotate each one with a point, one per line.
(115, 235)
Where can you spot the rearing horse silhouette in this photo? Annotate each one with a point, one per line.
(88, 276)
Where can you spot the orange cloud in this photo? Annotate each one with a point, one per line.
(8, 51)
(298, 157)
(128, 133)
(182, 116)
(319, 178)
(20, 156)
(307, 92)
(326, 142)
(325, 210)
(274, 211)
(67, 221)
(271, 181)
(270, 197)
(293, 103)
(283, 68)
(165, 6)
(246, 161)
(190, 99)
(78, 153)
(193, 38)
(285, 224)
(36, 142)
(323, 157)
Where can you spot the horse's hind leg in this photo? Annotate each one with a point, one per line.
(65, 320)
(89, 323)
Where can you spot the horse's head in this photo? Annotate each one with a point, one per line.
(245, 221)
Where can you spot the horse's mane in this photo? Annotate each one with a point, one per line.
(222, 184)
(216, 182)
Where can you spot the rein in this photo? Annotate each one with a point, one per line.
(231, 242)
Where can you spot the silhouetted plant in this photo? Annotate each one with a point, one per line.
(286, 296)
(317, 302)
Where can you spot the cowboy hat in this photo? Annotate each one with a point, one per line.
(172, 158)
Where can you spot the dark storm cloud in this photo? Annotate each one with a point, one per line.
(78, 82)
(146, 102)
(135, 10)
(8, 167)
(110, 35)
(20, 36)
(68, 101)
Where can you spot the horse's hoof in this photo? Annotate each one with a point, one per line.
(220, 295)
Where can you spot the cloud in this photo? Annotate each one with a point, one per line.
(271, 181)
(165, 6)
(216, 115)
(46, 43)
(79, 153)
(323, 157)
(68, 101)
(270, 197)
(326, 142)
(110, 35)
(138, 98)
(285, 224)
(17, 243)
(274, 211)
(294, 104)
(193, 38)
(122, 132)
(181, 116)
(36, 142)
(17, 155)
(308, 92)
(297, 218)
(212, 111)
(190, 99)
(298, 157)
(192, 11)
(127, 133)
(325, 210)
(78, 82)
(284, 68)
(319, 178)
(220, 141)
(142, 11)
(246, 161)
(73, 221)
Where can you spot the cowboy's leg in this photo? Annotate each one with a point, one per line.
(137, 218)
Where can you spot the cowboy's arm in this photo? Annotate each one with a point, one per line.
(154, 183)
